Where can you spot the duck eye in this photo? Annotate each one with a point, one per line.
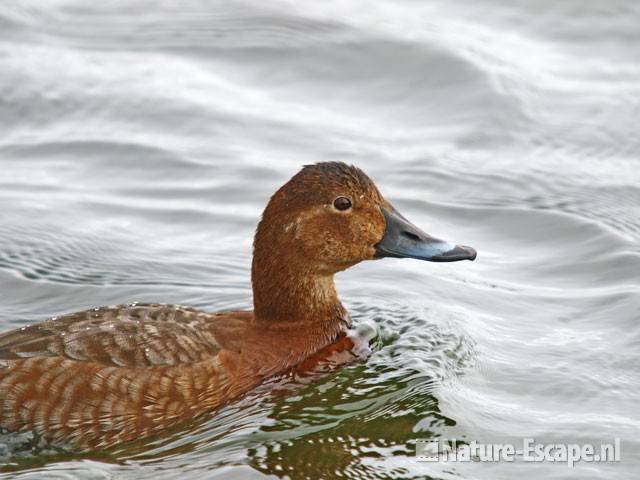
(342, 203)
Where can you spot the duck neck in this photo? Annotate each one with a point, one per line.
(286, 294)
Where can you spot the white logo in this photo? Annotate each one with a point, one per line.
(528, 451)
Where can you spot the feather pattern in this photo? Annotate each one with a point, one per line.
(111, 374)
(133, 335)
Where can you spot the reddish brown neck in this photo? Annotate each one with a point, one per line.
(287, 292)
(301, 308)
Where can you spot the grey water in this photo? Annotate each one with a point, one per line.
(140, 141)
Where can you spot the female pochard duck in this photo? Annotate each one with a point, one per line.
(113, 374)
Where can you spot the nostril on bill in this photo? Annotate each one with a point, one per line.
(411, 236)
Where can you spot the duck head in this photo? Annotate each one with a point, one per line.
(328, 217)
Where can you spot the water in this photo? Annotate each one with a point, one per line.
(140, 142)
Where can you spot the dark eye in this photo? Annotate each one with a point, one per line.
(342, 203)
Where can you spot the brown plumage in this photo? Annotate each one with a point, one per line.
(113, 374)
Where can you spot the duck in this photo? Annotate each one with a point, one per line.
(109, 375)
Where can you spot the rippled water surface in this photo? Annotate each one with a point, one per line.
(141, 140)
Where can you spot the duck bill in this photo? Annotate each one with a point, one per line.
(402, 239)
